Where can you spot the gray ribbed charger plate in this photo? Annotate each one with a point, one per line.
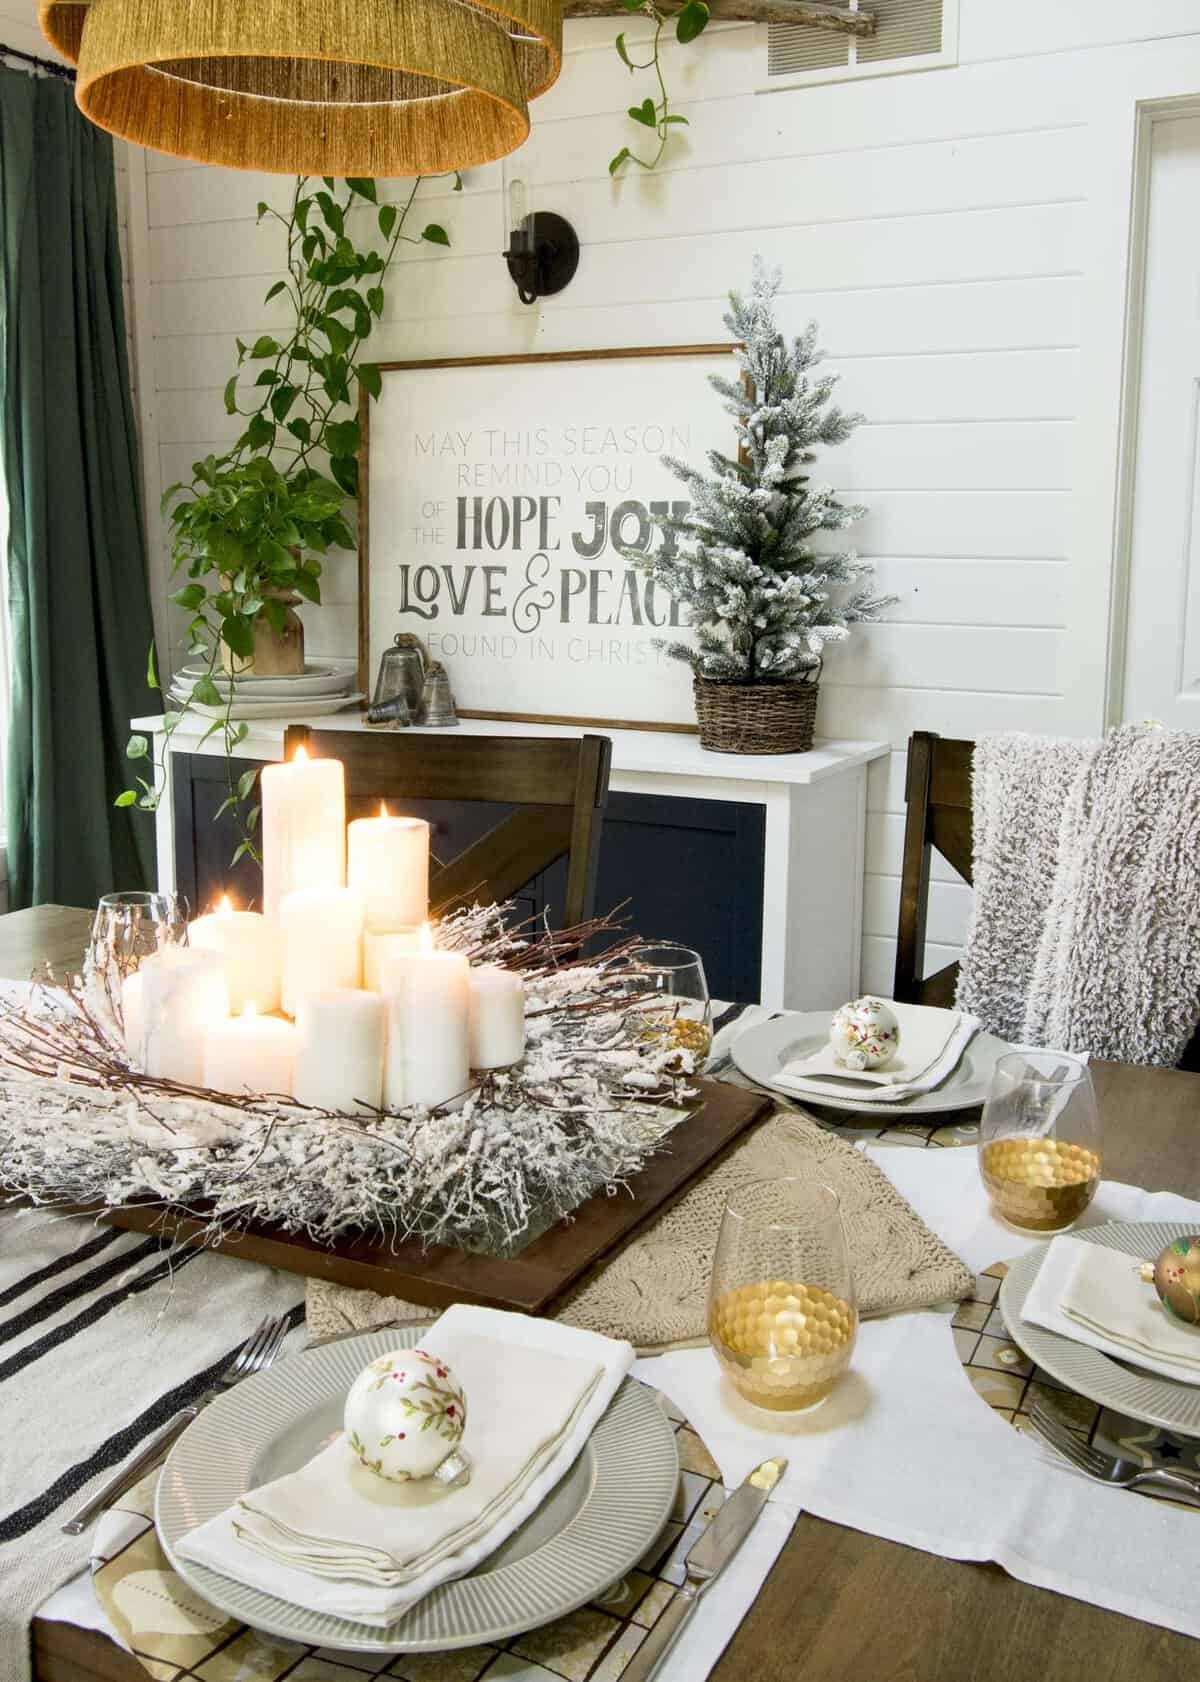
(589, 1532)
(1141, 1395)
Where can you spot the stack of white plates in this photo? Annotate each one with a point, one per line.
(322, 687)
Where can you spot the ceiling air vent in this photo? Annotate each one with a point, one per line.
(909, 35)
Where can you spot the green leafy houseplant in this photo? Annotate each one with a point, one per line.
(655, 115)
(249, 530)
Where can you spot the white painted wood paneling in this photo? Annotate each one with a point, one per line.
(936, 226)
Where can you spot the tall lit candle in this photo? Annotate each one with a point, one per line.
(303, 827)
(379, 946)
(321, 931)
(428, 1000)
(183, 995)
(248, 943)
(388, 862)
(340, 1036)
(249, 1053)
(497, 1017)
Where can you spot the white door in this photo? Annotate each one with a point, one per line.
(1162, 650)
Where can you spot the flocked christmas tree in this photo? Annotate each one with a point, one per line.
(762, 600)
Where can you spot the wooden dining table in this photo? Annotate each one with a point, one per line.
(841, 1606)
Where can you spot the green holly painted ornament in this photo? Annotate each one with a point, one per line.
(1176, 1278)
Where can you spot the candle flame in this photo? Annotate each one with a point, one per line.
(249, 1009)
(426, 938)
(383, 809)
(300, 756)
(225, 909)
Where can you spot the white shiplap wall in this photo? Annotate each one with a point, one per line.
(933, 223)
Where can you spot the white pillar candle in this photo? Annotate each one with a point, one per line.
(427, 995)
(340, 1036)
(131, 1012)
(387, 860)
(303, 827)
(321, 929)
(497, 1017)
(183, 995)
(248, 943)
(249, 1053)
(379, 946)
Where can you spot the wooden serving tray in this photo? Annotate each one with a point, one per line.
(534, 1277)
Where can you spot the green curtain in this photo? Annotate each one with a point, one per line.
(78, 600)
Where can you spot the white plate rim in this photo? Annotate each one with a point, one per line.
(314, 706)
(634, 1482)
(314, 671)
(1157, 1400)
(958, 1091)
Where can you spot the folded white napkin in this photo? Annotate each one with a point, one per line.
(335, 1537)
(932, 1042)
(1096, 1296)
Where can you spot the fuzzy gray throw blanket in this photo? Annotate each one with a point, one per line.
(1085, 934)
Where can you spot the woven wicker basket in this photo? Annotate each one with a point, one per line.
(756, 717)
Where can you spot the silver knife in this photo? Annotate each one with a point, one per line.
(708, 1558)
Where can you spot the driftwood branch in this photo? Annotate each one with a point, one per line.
(840, 19)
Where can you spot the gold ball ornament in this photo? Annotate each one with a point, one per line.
(1176, 1277)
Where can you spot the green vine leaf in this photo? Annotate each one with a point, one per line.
(370, 379)
(263, 346)
(363, 186)
(691, 21)
(622, 157)
(646, 113)
(152, 669)
(205, 692)
(138, 747)
(238, 633)
(435, 234)
(127, 797)
(387, 219)
(274, 291)
(623, 55)
(231, 395)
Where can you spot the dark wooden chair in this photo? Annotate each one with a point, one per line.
(558, 787)
(937, 793)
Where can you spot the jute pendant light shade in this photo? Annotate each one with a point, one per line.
(313, 87)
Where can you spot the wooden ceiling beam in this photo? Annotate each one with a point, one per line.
(818, 16)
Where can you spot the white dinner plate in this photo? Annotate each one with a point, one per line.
(761, 1052)
(590, 1531)
(291, 711)
(317, 678)
(1100, 1377)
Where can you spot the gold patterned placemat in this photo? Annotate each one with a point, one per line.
(1009, 1382)
(179, 1637)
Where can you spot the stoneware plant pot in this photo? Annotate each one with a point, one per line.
(276, 653)
(756, 717)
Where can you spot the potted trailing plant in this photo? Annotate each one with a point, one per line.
(762, 602)
(249, 531)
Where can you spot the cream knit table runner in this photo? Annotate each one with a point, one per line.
(654, 1292)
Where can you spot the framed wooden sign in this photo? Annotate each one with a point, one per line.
(496, 493)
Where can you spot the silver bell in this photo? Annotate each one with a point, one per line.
(437, 702)
(394, 713)
(401, 673)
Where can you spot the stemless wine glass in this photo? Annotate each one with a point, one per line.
(677, 1010)
(128, 927)
(781, 1310)
(1039, 1140)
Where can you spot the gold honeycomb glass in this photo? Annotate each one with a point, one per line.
(1039, 1140)
(675, 1005)
(781, 1312)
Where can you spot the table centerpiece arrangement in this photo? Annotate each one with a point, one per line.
(453, 1079)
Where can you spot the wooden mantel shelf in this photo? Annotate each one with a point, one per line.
(837, 18)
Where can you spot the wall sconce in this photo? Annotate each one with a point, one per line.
(543, 248)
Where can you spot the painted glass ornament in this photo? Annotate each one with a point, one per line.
(1175, 1275)
(405, 1417)
(865, 1034)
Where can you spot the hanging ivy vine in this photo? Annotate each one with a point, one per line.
(655, 114)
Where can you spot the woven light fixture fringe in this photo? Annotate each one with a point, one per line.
(313, 87)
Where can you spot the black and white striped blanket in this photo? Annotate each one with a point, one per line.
(103, 1335)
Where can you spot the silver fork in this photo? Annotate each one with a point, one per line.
(255, 1355)
(1109, 1468)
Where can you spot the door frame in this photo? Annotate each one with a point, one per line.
(1130, 99)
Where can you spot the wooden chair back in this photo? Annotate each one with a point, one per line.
(938, 797)
(559, 786)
